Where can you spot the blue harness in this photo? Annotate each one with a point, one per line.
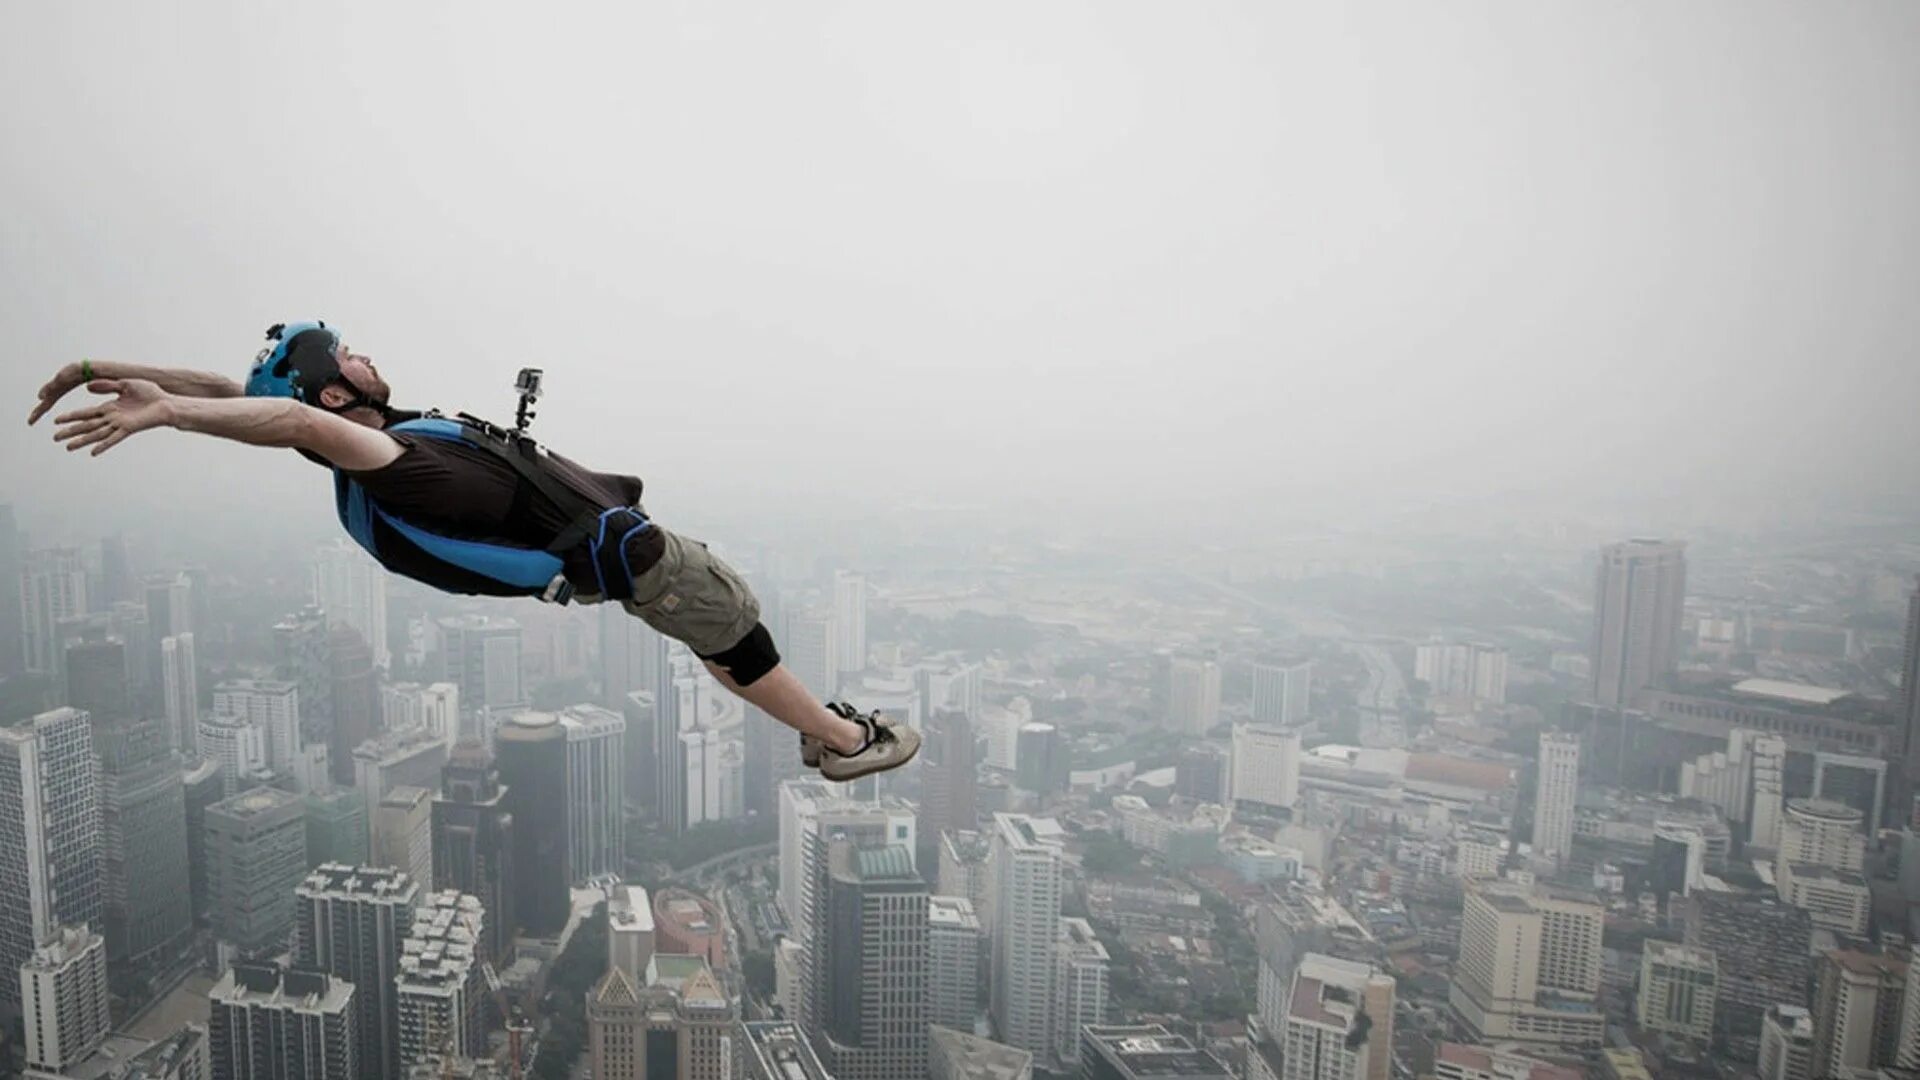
(493, 567)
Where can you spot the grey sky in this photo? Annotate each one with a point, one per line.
(868, 251)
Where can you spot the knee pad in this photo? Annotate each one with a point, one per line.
(753, 657)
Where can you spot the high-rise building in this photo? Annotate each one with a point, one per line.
(1203, 773)
(1041, 764)
(336, 828)
(1026, 871)
(954, 1054)
(53, 587)
(1144, 1052)
(1908, 745)
(869, 940)
(1858, 1006)
(953, 962)
(403, 833)
(96, 676)
(440, 989)
(964, 857)
(408, 758)
(1817, 867)
(1195, 701)
(1280, 692)
(352, 922)
(271, 706)
(434, 709)
(303, 647)
(49, 836)
(1639, 593)
(201, 785)
(481, 655)
(643, 741)
(63, 990)
(237, 745)
(256, 855)
(1459, 1061)
(850, 618)
(273, 1023)
(351, 589)
(12, 646)
(1557, 791)
(1786, 1043)
(181, 692)
(1678, 989)
(473, 843)
(687, 1028)
(146, 892)
(1080, 986)
(1265, 766)
(1907, 1054)
(771, 757)
(531, 754)
(1761, 947)
(596, 791)
(630, 940)
(1339, 1022)
(354, 688)
(811, 648)
(949, 797)
(1463, 671)
(1529, 966)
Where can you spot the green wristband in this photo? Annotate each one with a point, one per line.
(86, 371)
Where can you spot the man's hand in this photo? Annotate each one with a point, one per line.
(137, 406)
(57, 387)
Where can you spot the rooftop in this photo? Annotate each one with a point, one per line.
(1502, 1063)
(360, 883)
(1152, 1051)
(256, 802)
(1796, 693)
(975, 1058)
(952, 912)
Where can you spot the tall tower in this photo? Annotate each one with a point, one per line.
(1026, 873)
(850, 614)
(1195, 699)
(1265, 766)
(352, 923)
(948, 784)
(1639, 593)
(440, 989)
(302, 647)
(256, 845)
(1280, 691)
(871, 944)
(49, 836)
(147, 890)
(180, 683)
(64, 989)
(812, 651)
(403, 833)
(473, 843)
(1909, 742)
(531, 752)
(481, 655)
(270, 1023)
(53, 586)
(354, 687)
(1558, 790)
(1339, 1022)
(1080, 986)
(273, 707)
(953, 962)
(351, 589)
(12, 654)
(596, 791)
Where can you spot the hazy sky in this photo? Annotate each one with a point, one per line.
(1114, 253)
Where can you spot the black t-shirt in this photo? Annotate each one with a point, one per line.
(463, 491)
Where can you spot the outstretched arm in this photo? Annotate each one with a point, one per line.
(138, 405)
(181, 381)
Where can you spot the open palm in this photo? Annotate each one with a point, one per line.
(136, 406)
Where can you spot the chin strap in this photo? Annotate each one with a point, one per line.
(359, 401)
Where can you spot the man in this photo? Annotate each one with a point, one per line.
(469, 508)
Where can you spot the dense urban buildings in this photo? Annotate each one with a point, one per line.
(271, 1023)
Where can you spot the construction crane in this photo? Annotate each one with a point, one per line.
(518, 1028)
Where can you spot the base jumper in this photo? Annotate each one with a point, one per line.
(465, 506)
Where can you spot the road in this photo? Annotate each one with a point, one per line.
(1385, 685)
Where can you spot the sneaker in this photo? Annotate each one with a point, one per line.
(889, 745)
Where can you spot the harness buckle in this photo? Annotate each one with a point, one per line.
(558, 591)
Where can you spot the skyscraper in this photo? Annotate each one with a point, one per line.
(596, 791)
(1080, 986)
(1678, 989)
(1280, 692)
(531, 753)
(270, 1023)
(1026, 874)
(147, 892)
(1557, 791)
(1857, 1011)
(202, 784)
(1265, 766)
(481, 655)
(1639, 593)
(403, 833)
(949, 796)
(850, 618)
(1786, 1043)
(352, 923)
(12, 647)
(870, 976)
(1761, 949)
(1339, 1023)
(354, 689)
(473, 843)
(180, 688)
(630, 940)
(440, 989)
(953, 962)
(812, 651)
(1195, 701)
(434, 709)
(256, 856)
(772, 757)
(1909, 719)
(1529, 967)
(351, 589)
(271, 706)
(63, 988)
(49, 837)
(53, 586)
(303, 648)
(239, 747)
(170, 606)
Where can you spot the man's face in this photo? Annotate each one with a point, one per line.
(359, 371)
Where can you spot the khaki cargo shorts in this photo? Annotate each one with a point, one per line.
(692, 595)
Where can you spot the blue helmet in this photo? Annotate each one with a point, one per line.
(297, 364)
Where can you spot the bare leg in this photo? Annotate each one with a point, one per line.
(780, 694)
